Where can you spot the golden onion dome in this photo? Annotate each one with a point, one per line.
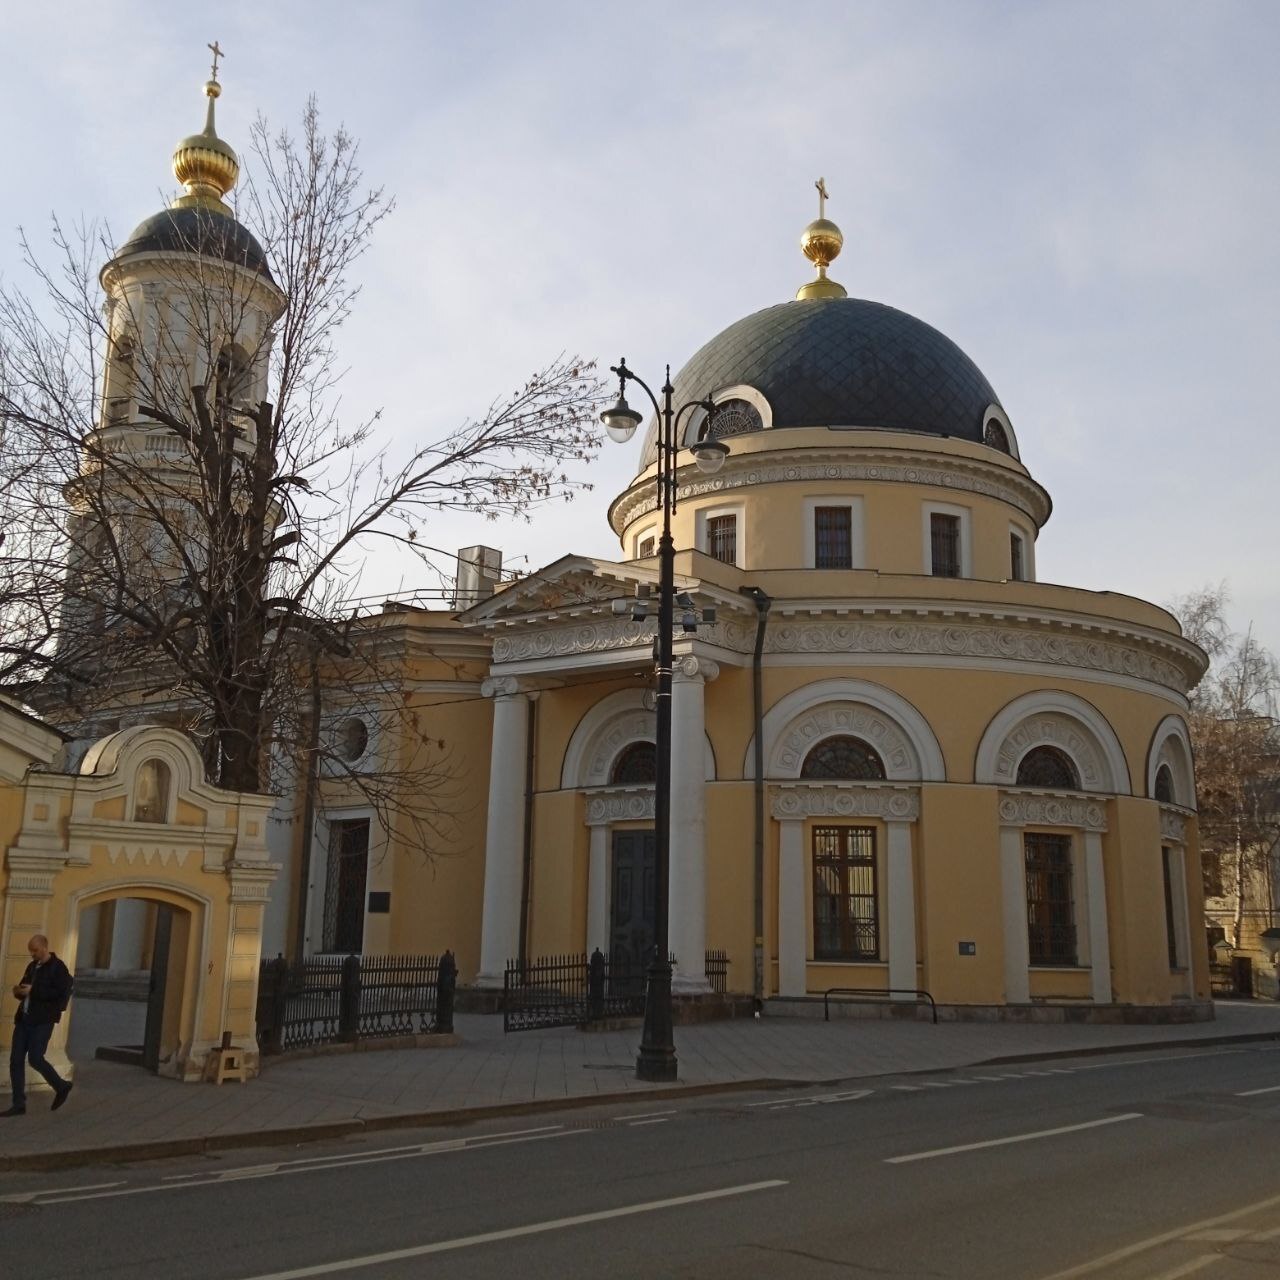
(205, 165)
(821, 242)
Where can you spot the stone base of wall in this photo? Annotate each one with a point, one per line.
(1184, 1011)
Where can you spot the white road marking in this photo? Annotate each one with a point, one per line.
(1253, 1093)
(26, 1197)
(1017, 1137)
(1146, 1062)
(938, 1084)
(319, 1164)
(1188, 1268)
(514, 1233)
(1107, 1262)
(1218, 1235)
(907, 1088)
(649, 1115)
(635, 1124)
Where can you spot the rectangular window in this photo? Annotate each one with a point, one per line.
(944, 545)
(833, 537)
(645, 550)
(1169, 914)
(1017, 566)
(344, 886)
(722, 538)
(1051, 930)
(845, 920)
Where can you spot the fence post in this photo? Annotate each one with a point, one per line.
(349, 1000)
(595, 986)
(446, 982)
(275, 974)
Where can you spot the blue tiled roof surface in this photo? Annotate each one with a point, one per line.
(845, 362)
(195, 230)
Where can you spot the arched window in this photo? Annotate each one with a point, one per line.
(636, 763)
(122, 382)
(1048, 767)
(151, 798)
(995, 435)
(734, 418)
(843, 759)
(231, 379)
(1164, 785)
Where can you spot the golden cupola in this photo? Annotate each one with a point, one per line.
(205, 165)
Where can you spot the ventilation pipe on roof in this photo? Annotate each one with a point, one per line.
(479, 569)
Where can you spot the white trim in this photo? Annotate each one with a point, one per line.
(845, 693)
(697, 419)
(738, 511)
(993, 768)
(1171, 745)
(649, 531)
(996, 412)
(857, 536)
(965, 516)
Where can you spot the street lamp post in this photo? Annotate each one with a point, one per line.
(657, 1057)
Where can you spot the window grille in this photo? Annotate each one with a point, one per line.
(1164, 785)
(944, 544)
(1048, 767)
(843, 758)
(846, 922)
(636, 763)
(833, 537)
(1051, 929)
(645, 550)
(1017, 569)
(722, 538)
(734, 418)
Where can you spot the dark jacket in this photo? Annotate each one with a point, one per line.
(51, 985)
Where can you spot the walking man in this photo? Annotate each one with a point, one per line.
(42, 995)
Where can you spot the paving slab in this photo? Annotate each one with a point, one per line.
(119, 1112)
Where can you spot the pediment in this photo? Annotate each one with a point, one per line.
(568, 586)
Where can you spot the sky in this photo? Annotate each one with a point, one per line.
(1083, 194)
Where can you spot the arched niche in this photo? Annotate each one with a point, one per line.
(604, 732)
(1052, 717)
(886, 721)
(1171, 747)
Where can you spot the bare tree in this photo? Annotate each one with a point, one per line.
(209, 502)
(1237, 743)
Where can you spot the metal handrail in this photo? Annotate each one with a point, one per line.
(875, 991)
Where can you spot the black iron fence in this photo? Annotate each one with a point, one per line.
(575, 990)
(336, 999)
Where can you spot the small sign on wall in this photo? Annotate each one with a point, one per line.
(968, 948)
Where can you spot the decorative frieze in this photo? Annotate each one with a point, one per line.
(251, 881)
(1052, 809)
(1173, 825)
(620, 804)
(793, 801)
(888, 465)
(576, 638)
(629, 727)
(857, 720)
(1054, 729)
(31, 875)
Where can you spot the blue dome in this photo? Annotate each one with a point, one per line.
(844, 362)
(196, 230)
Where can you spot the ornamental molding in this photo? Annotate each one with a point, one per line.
(1173, 824)
(794, 801)
(636, 725)
(620, 804)
(1052, 728)
(1052, 809)
(988, 641)
(251, 881)
(692, 667)
(855, 719)
(900, 466)
(31, 874)
(499, 687)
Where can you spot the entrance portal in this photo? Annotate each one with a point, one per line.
(633, 905)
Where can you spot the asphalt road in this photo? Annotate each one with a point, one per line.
(1147, 1165)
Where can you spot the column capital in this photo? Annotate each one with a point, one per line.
(692, 667)
(499, 687)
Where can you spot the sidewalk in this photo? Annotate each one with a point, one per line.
(120, 1112)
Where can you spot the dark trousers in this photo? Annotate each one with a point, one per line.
(30, 1040)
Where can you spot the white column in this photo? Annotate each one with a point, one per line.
(792, 917)
(598, 891)
(1013, 888)
(129, 935)
(504, 834)
(902, 910)
(687, 917)
(1099, 941)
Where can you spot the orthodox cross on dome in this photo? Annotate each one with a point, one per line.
(821, 184)
(217, 53)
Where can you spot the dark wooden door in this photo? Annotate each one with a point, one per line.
(632, 904)
(156, 991)
(344, 899)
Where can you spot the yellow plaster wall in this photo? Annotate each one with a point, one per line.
(731, 878)
(558, 886)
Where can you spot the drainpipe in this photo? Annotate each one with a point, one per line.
(762, 603)
(527, 872)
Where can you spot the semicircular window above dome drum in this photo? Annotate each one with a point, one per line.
(1048, 767)
(843, 759)
(635, 764)
(1164, 785)
(734, 418)
(996, 436)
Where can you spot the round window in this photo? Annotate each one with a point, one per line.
(353, 738)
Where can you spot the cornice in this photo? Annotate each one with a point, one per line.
(619, 804)
(796, 800)
(1053, 809)
(875, 464)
